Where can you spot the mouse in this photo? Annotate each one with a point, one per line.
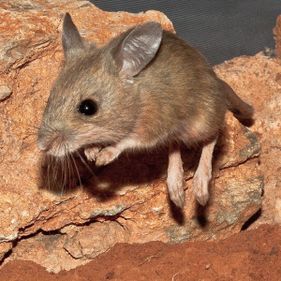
(145, 88)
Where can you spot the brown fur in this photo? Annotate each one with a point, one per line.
(175, 97)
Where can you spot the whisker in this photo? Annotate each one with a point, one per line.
(66, 169)
(71, 172)
(58, 173)
(48, 126)
(63, 162)
(76, 168)
(54, 173)
(22, 123)
(86, 165)
(36, 127)
(48, 173)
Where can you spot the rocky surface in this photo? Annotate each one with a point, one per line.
(249, 255)
(129, 204)
(258, 78)
(277, 35)
(5, 92)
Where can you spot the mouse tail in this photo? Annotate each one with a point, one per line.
(240, 109)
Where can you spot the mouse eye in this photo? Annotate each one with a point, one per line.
(88, 107)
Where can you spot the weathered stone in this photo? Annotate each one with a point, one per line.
(129, 204)
(4, 250)
(5, 92)
(257, 79)
(277, 36)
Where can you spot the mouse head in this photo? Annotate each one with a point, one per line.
(94, 100)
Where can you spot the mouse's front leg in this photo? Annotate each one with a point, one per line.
(203, 173)
(175, 181)
(92, 152)
(102, 156)
(108, 154)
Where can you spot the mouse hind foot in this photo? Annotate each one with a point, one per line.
(203, 173)
(175, 179)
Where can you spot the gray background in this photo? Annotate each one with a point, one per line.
(220, 29)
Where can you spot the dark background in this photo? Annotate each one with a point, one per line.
(220, 29)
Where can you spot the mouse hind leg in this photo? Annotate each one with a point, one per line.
(203, 173)
(175, 180)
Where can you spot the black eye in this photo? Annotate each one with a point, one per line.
(88, 107)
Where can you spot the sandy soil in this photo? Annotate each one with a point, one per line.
(250, 255)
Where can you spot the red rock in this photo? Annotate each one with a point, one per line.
(30, 58)
(277, 35)
(256, 80)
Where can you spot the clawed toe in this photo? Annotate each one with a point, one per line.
(200, 189)
(91, 153)
(178, 199)
(106, 155)
(176, 192)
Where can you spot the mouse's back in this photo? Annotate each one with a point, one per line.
(183, 88)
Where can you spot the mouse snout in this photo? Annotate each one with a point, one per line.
(53, 142)
(45, 143)
(41, 144)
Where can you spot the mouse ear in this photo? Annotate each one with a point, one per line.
(72, 42)
(138, 48)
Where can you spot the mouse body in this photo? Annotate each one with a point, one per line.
(145, 88)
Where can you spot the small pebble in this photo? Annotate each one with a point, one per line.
(207, 266)
(269, 52)
(5, 92)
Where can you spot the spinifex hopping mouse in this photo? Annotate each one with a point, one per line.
(145, 88)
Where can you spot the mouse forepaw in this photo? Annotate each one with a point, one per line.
(107, 155)
(91, 153)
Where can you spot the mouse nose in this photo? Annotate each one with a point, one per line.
(48, 139)
(44, 143)
(41, 145)
(41, 141)
(55, 144)
(47, 133)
